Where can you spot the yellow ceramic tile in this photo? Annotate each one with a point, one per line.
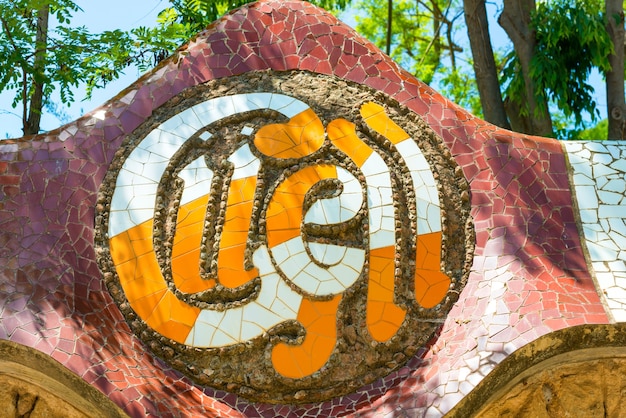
(343, 135)
(376, 118)
(302, 135)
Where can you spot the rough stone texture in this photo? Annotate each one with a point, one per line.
(21, 399)
(34, 385)
(529, 276)
(583, 389)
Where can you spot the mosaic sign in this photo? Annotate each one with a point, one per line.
(288, 237)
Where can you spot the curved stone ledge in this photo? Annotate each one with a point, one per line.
(576, 371)
(34, 384)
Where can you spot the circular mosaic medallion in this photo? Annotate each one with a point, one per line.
(285, 236)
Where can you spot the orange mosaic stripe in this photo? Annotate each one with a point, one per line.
(377, 119)
(188, 237)
(383, 316)
(145, 287)
(186, 247)
(142, 280)
(319, 320)
(284, 212)
(431, 285)
(302, 135)
(231, 257)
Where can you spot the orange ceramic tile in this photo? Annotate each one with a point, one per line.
(377, 119)
(145, 306)
(302, 135)
(431, 284)
(428, 253)
(186, 273)
(146, 280)
(173, 318)
(127, 269)
(241, 190)
(284, 212)
(275, 237)
(319, 320)
(234, 232)
(121, 248)
(141, 238)
(186, 247)
(380, 295)
(343, 135)
(430, 287)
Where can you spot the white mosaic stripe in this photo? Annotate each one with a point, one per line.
(137, 182)
(276, 303)
(426, 194)
(599, 181)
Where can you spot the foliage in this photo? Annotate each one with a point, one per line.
(71, 55)
(459, 86)
(600, 131)
(571, 41)
(422, 32)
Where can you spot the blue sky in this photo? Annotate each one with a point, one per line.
(99, 16)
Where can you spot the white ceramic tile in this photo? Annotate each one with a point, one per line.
(197, 177)
(381, 238)
(259, 100)
(247, 130)
(200, 335)
(205, 136)
(286, 105)
(292, 266)
(246, 164)
(373, 165)
(600, 185)
(328, 254)
(231, 323)
(221, 339)
(241, 103)
(119, 221)
(288, 297)
(250, 330)
(152, 171)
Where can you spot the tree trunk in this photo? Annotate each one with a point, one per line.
(515, 20)
(389, 26)
(33, 123)
(484, 63)
(615, 77)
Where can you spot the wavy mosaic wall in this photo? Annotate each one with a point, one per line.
(279, 221)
